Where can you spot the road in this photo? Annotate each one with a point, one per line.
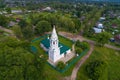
(73, 76)
(78, 65)
(8, 30)
(81, 38)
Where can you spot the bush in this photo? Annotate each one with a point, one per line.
(78, 51)
(60, 65)
(96, 69)
(83, 45)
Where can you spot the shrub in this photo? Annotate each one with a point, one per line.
(60, 65)
(83, 44)
(96, 69)
(78, 51)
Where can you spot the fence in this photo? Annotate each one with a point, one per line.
(34, 49)
(70, 63)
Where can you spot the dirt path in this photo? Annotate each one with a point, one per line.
(8, 30)
(73, 76)
(78, 65)
(81, 38)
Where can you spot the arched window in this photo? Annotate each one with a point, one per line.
(54, 42)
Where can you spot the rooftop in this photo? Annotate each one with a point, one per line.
(63, 48)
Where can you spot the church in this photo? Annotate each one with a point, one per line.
(54, 48)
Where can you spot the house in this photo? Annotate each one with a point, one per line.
(47, 9)
(12, 23)
(16, 11)
(102, 18)
(114, 25)
(117, 38)
(100, 26)
(97, 30)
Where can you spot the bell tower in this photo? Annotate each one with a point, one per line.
(54, 51)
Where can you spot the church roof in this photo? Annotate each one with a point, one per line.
(63, 48)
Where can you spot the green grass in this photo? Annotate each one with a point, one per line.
(111, 57)
(65, 41)
(39, 49)
(114, 44)
(53, 74)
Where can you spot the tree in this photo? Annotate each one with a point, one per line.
(78, 51)
(3, 21)
(2, 5)
(42, 26)
(77, 24)
(60, 65)
(83, 45)
(18, 63)
(51, 18)
(22, 23)
(103, 38)
(8, 10)
(67, 23)
(28, 32)
(96, 69)
(27, 29)
(18, 32)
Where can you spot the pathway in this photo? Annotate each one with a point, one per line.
(78, 65)
(8, 30)
(81, 38)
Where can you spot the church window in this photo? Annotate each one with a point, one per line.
(53, 42)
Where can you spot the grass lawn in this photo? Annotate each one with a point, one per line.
(114, 44)
(111, 57)
(65, 41)
(52, 74)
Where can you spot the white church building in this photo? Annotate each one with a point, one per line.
(55, 49)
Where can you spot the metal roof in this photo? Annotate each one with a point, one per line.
(63, 48)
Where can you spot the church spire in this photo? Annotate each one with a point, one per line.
(54, 34)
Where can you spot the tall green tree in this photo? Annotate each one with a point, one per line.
(96, 69)
(18, 63)
(4, 21)
(23, 23)
(103, 38)
(8, 9)
(42, 26)
(18, 32)
(28, 32)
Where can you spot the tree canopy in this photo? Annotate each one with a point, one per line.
(42, 26)
(3, 20)
(96, 69)
(17, 62)
(103, 38)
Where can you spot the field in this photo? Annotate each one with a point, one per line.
(111, 57)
